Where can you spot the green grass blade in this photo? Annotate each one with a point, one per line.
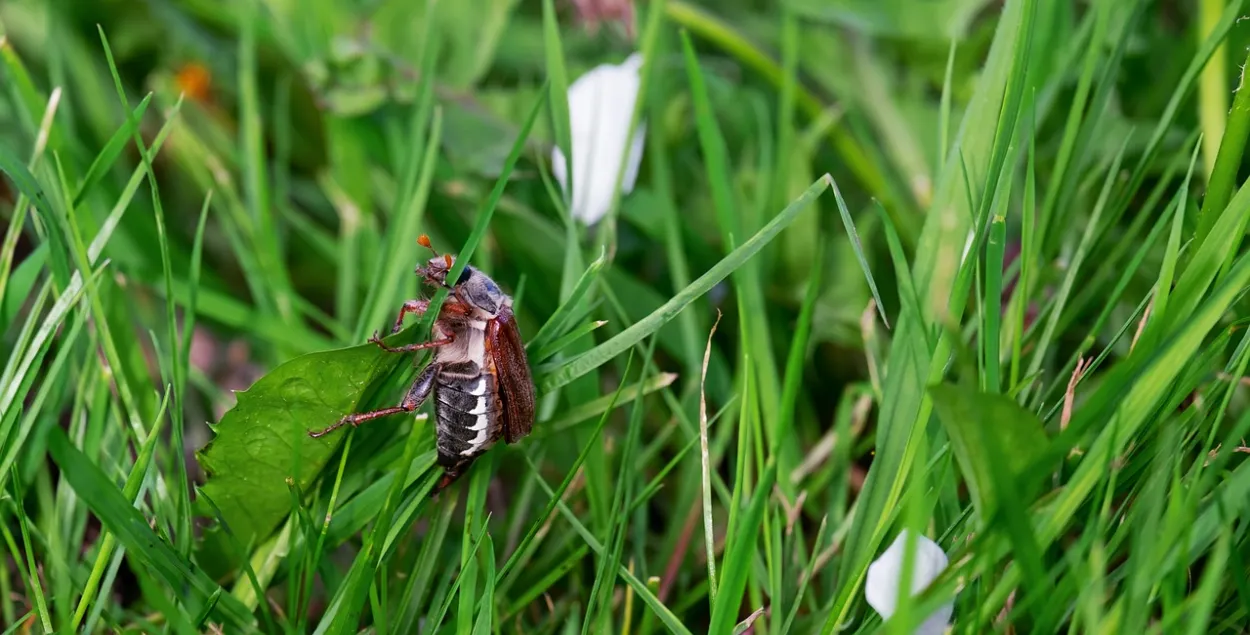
(1223, 177)
(648, 597)
(555, 326)
(405, 225)
(858, 248)
(117, 514)
(635, 333)
(514, 559)
(558, 98)
(740, 553)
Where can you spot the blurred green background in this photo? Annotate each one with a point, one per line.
(300, 129)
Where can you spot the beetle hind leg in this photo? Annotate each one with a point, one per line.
(452, 471)
(420, 391)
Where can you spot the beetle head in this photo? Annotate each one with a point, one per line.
(472, 286)
(435, 270)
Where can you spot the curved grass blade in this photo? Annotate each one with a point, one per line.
(600, 354)
(104, 161)
(555, 325)
(567, 340)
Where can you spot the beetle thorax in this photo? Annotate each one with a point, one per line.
(469, 344)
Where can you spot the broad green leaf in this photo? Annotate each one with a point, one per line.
(254, 449)
(994, 439)
(971, 418)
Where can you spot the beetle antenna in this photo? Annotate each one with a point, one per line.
(424, 241)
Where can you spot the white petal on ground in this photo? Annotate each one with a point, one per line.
(884, 574)
(601, 104)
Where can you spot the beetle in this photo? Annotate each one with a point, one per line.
(479, 377)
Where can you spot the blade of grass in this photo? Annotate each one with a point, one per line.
(1223, 175)
(602, 588)
(733, 222)
(912, 363)
(122, 519)
(446, 604)
(130, 491)
(179, 364)
(579, 414)
(469, 565)
(32, 569)
(709, 538)
(567, 340)
(558, 101)
(629, 337)
(740, 553)
(522, 546)
(858, 248)
(718, 32)
(405, 223)
(555, 325)
(665, 615)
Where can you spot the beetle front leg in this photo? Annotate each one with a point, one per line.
(415, 307)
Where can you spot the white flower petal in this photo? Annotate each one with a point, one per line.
(601, 104)
(885, 573)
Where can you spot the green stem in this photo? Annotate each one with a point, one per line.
(1223, 179)
(1212, 87)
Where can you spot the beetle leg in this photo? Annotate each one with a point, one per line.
(420, 391)
(415, 307)
(463, 300)
(450, 475)
(408, 348)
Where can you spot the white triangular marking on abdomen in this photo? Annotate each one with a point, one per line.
(479, 409)
(476, 443)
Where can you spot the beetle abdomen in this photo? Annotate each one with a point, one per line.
(468, 412)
